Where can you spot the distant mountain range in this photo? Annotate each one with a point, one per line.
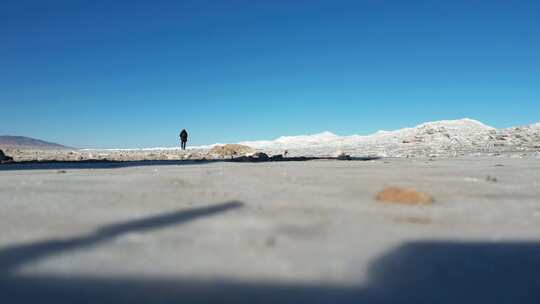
(22, 142)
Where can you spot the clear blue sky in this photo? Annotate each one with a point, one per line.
(133, 73)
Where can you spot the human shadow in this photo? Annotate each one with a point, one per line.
(415, 272)
(458, 272)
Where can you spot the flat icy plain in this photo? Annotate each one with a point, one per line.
(284, 232)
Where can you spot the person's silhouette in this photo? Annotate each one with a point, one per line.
(183, 138)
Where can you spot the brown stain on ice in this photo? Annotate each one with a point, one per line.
(404, 196)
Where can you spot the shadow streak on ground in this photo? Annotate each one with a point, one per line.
(110, 164)
(416, 272)
(14, 257)
(95, 164)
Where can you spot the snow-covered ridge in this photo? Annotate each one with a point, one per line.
(296, 141)
(457, 128)
(445, 137)
(465, 126)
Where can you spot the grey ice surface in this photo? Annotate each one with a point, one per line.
(286, 232)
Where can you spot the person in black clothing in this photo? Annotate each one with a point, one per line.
(183, 138)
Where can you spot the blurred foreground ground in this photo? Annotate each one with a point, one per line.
(271, 233)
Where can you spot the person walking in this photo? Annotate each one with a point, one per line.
(183, 138)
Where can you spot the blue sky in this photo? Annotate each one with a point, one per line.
(133, 73)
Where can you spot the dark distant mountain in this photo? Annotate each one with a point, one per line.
(21, 142)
